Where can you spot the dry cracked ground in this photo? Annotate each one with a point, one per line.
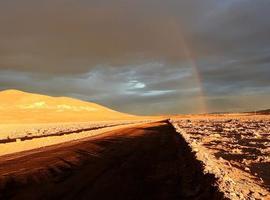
(176, 159)
(236, 150)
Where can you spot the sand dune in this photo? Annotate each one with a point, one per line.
(22, 107)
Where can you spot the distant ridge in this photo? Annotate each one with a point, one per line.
(22, 107)
(265, 112)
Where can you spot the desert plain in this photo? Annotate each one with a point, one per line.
(63, 156)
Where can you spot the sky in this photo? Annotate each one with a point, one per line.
(141, 57)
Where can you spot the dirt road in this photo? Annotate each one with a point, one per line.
(150, 161)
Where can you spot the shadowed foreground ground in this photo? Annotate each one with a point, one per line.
(150, 161)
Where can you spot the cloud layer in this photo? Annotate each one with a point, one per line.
(139, 56)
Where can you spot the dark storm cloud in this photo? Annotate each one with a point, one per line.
(135, 56)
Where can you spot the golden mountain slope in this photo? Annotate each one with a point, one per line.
(22, 107)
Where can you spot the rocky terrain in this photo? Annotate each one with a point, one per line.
(236, 151)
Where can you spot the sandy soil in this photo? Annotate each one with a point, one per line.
(200, 157)
(11, 132)
(149, 161)
(50, 134)
(24, 108)
(235, 150)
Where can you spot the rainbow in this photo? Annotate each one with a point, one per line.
(189, 55)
